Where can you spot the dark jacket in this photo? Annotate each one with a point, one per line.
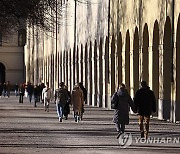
(145, 102)
(121, 114)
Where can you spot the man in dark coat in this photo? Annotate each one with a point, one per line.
(121, 113)
(145, 104)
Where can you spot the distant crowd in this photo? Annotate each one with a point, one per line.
(44, 94)
(143, 103)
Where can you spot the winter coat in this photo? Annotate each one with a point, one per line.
(46, 93)
(61, 96)
(77, 99)
(145, 102)
(121, 114)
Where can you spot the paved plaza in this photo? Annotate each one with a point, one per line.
(25, 129)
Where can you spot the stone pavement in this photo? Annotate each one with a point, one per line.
(25, 129)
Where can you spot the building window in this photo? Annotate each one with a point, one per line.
(21, 37)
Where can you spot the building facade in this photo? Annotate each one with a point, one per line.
(103, 43)
(12, 66)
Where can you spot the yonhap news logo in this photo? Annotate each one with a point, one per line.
(126, 140)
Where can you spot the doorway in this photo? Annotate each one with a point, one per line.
(2, 73)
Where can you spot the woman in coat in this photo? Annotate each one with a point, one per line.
(121, 113)
(77, 102)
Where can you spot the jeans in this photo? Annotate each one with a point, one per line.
(21, 97)
(60, 110)
(120, 127)
(46, 104)
(16, 93)
(30, 97)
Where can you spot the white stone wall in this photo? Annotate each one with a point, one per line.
(138, 48)
(12, 57)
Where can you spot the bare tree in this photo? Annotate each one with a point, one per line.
(40, 13)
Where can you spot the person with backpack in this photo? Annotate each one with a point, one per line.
(47, 96)
(61, 98)
(122, 101)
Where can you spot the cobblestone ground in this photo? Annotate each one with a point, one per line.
(25, 129)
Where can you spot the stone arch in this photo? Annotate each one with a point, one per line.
(69, 70)
(90, 74)
(58, 69)
(178, 70)
(100, 72)
(45, 69)
(127, 61)
(61, 64)
(67, 74)
(81, 64)
(95, 73)
(145, 55)
(119, 58)
(167, 69)
(113, 48)
(2, 73)
(106, 72)
(86, 65)
(73, 65)
(63, 67)
(155, 67)
(136, 60)
(77, 64)
(51, 71)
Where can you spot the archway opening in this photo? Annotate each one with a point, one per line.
(167, 69)
(145, 55)
(119, 56)
(2, 73)
(113, 65)
(155, 63)
(178, 70)
(136, 60)
(127, 61)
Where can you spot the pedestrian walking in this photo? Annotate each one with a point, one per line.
(8, 85)
(30, 91)
(21, 91)
(4, 89)
(16, 89)
(41, 87)
(36, 95)
(61, 98)
(85, 98)
(66, 107)
(77, 102)
(145, 104)
(47, 96)
(121, 113)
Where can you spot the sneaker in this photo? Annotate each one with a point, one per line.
(60, 119)
(66, 118)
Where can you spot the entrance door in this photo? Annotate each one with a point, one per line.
(2, 73)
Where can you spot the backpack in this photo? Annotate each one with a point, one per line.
(62, 96)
